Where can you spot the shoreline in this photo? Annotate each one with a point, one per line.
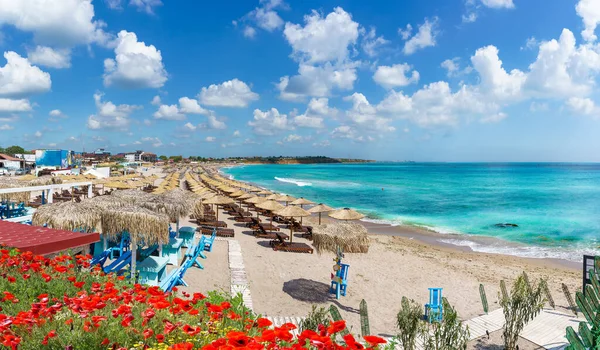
(439, 240)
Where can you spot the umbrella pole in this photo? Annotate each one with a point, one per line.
(271, 228)
(177, 229)
(319, 219)
(133, 257)
(291, 229)
(217, 217)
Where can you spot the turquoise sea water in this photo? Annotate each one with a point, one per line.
(556, 206)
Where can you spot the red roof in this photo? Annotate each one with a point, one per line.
(42, 240)
(7, 157)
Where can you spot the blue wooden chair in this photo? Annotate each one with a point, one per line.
(118, 264)
(434, 310)
(175, 278)
(101, 258)
(339, 283)
(208, 242)
(121, 248)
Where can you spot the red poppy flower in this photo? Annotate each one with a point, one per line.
(105, 342)
(191, 331)
(160, 338)
(169, 327)
(263, 323)
(148, 333)
(238, 339)
(336, 327)
(374, 340)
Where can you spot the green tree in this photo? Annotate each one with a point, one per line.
(12, 150)
(409, 323)
(163, 158)
(176, 159)
(449, 334)
(523, 304)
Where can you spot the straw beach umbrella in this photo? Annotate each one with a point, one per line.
(272, 197)
(292, 211)
(302, 201)
(219, 200)
(141, 224)
(348, 236)
(244, 196)
(271, 206)
(255, 200)
(346, 214)
(237, 193)
(320, 208)
(285, 198)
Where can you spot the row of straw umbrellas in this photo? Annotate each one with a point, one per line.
(218, 190)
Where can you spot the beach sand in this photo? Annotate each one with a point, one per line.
(288, 284)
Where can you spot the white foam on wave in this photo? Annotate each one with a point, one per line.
(300, 183)
(383, 221)
(526, 251)
(438, 229)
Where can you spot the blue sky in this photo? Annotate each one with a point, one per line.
(438, 80)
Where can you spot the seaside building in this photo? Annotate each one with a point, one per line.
(53, 159)
(9, 162)
(140, 156)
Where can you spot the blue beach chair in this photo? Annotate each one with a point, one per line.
(101, 258)
(118, 264)
(121, 248)
(175, 278)
(208, 242)
(340, 283)
(434, 309)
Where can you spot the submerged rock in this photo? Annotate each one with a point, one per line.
(508, 224)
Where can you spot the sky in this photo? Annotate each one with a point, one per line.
(436, 80)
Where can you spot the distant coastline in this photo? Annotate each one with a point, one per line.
(300, 160)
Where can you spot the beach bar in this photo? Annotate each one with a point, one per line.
(42, 240)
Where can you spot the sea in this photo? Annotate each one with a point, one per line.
(537, 210)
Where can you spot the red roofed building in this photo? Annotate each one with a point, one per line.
(9, 162)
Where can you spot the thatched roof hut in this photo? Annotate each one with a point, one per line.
(350, 237)
(142, 224)
(69, 216)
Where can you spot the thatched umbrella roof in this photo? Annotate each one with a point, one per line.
(132, 196)
(263, 193)
(245, 196)
(141, 224)
(219, 200)
(285, 198)
(350, 237)
(69, 216)
(272, 196)
(302, 201)
(320, 208)
(292, 212)
(237, 193)
(346, 214)
(117, 185)
(255, 200)
(270, 205)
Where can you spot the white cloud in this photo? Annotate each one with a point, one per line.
(538, 107)
(324, 143)
(168, 112)
(469, 18)
(236, 133)
(293, 138)
(210, 139)
(371, 43)
(147, 122)
(214, 123)
(425, 37)
(589, 11)
(38, 134)
(405, 33)
(155, 141)
(6, 127)
(191, 106)
(49, 57)
(146, 5)
(9, 105)
(56, 115)
(451, 66)
(322, 39)
(317, 81)
(19, 78)
(62, 23)
(109, 115)
(347, 132)
(313, 116)
(232, 93)
(189, 126)
(267, 19)
(309, 122)
(396, 75)
(494, 79)
(156, 101)
(584, 106)
(249, 32)
(135, 65)
(497, 4)
(530, 44)
(269, 122)
(365, 116)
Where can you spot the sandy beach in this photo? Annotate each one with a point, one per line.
(288, 284)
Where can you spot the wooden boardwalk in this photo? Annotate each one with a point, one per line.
(239, 280)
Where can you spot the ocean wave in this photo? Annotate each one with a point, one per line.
(437, 229)
(383, 221)
(526, 251)
(297, 182)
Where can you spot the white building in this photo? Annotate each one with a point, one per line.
(9, 162)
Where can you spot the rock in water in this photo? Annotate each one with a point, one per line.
(504, 225)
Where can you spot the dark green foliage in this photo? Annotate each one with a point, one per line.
(335, 315)
(585, 307)
(448, 334)
(365, 328)
(315, 317)
(586, 335)
(484, 301)
(574, 340)
(503, 290)
(569, 298)
(523, 304)
(409, 321)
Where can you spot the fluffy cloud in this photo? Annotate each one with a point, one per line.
(268, 19)
(371, 43)
(293, 138)
(56, 115)
(210, 139)
(264, 16)
(155, 141)
(146, 5)
(156, 101)
(494, 79)
(589, 11)
(236, 133)
(396, 75)
(214, 123)
(451, 66)
(232, 93)
(191, 106)
(190, 127)
(317, 81)
(497, 4)
(322, 39)
(425, 37)
(135, 65)
(49, 57)
(5, 127)
(13, 106)
(109, 115)
(313, 117)
(62, 23)
(169, 112)
(365, 116)
(269, 122)
(584, 106)
(249, 32)
(19, 78)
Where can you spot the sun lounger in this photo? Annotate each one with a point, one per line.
(118, 264)
(211, 223)
(282, 245)
(208, 242)
(101, 258)
(221, 232)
